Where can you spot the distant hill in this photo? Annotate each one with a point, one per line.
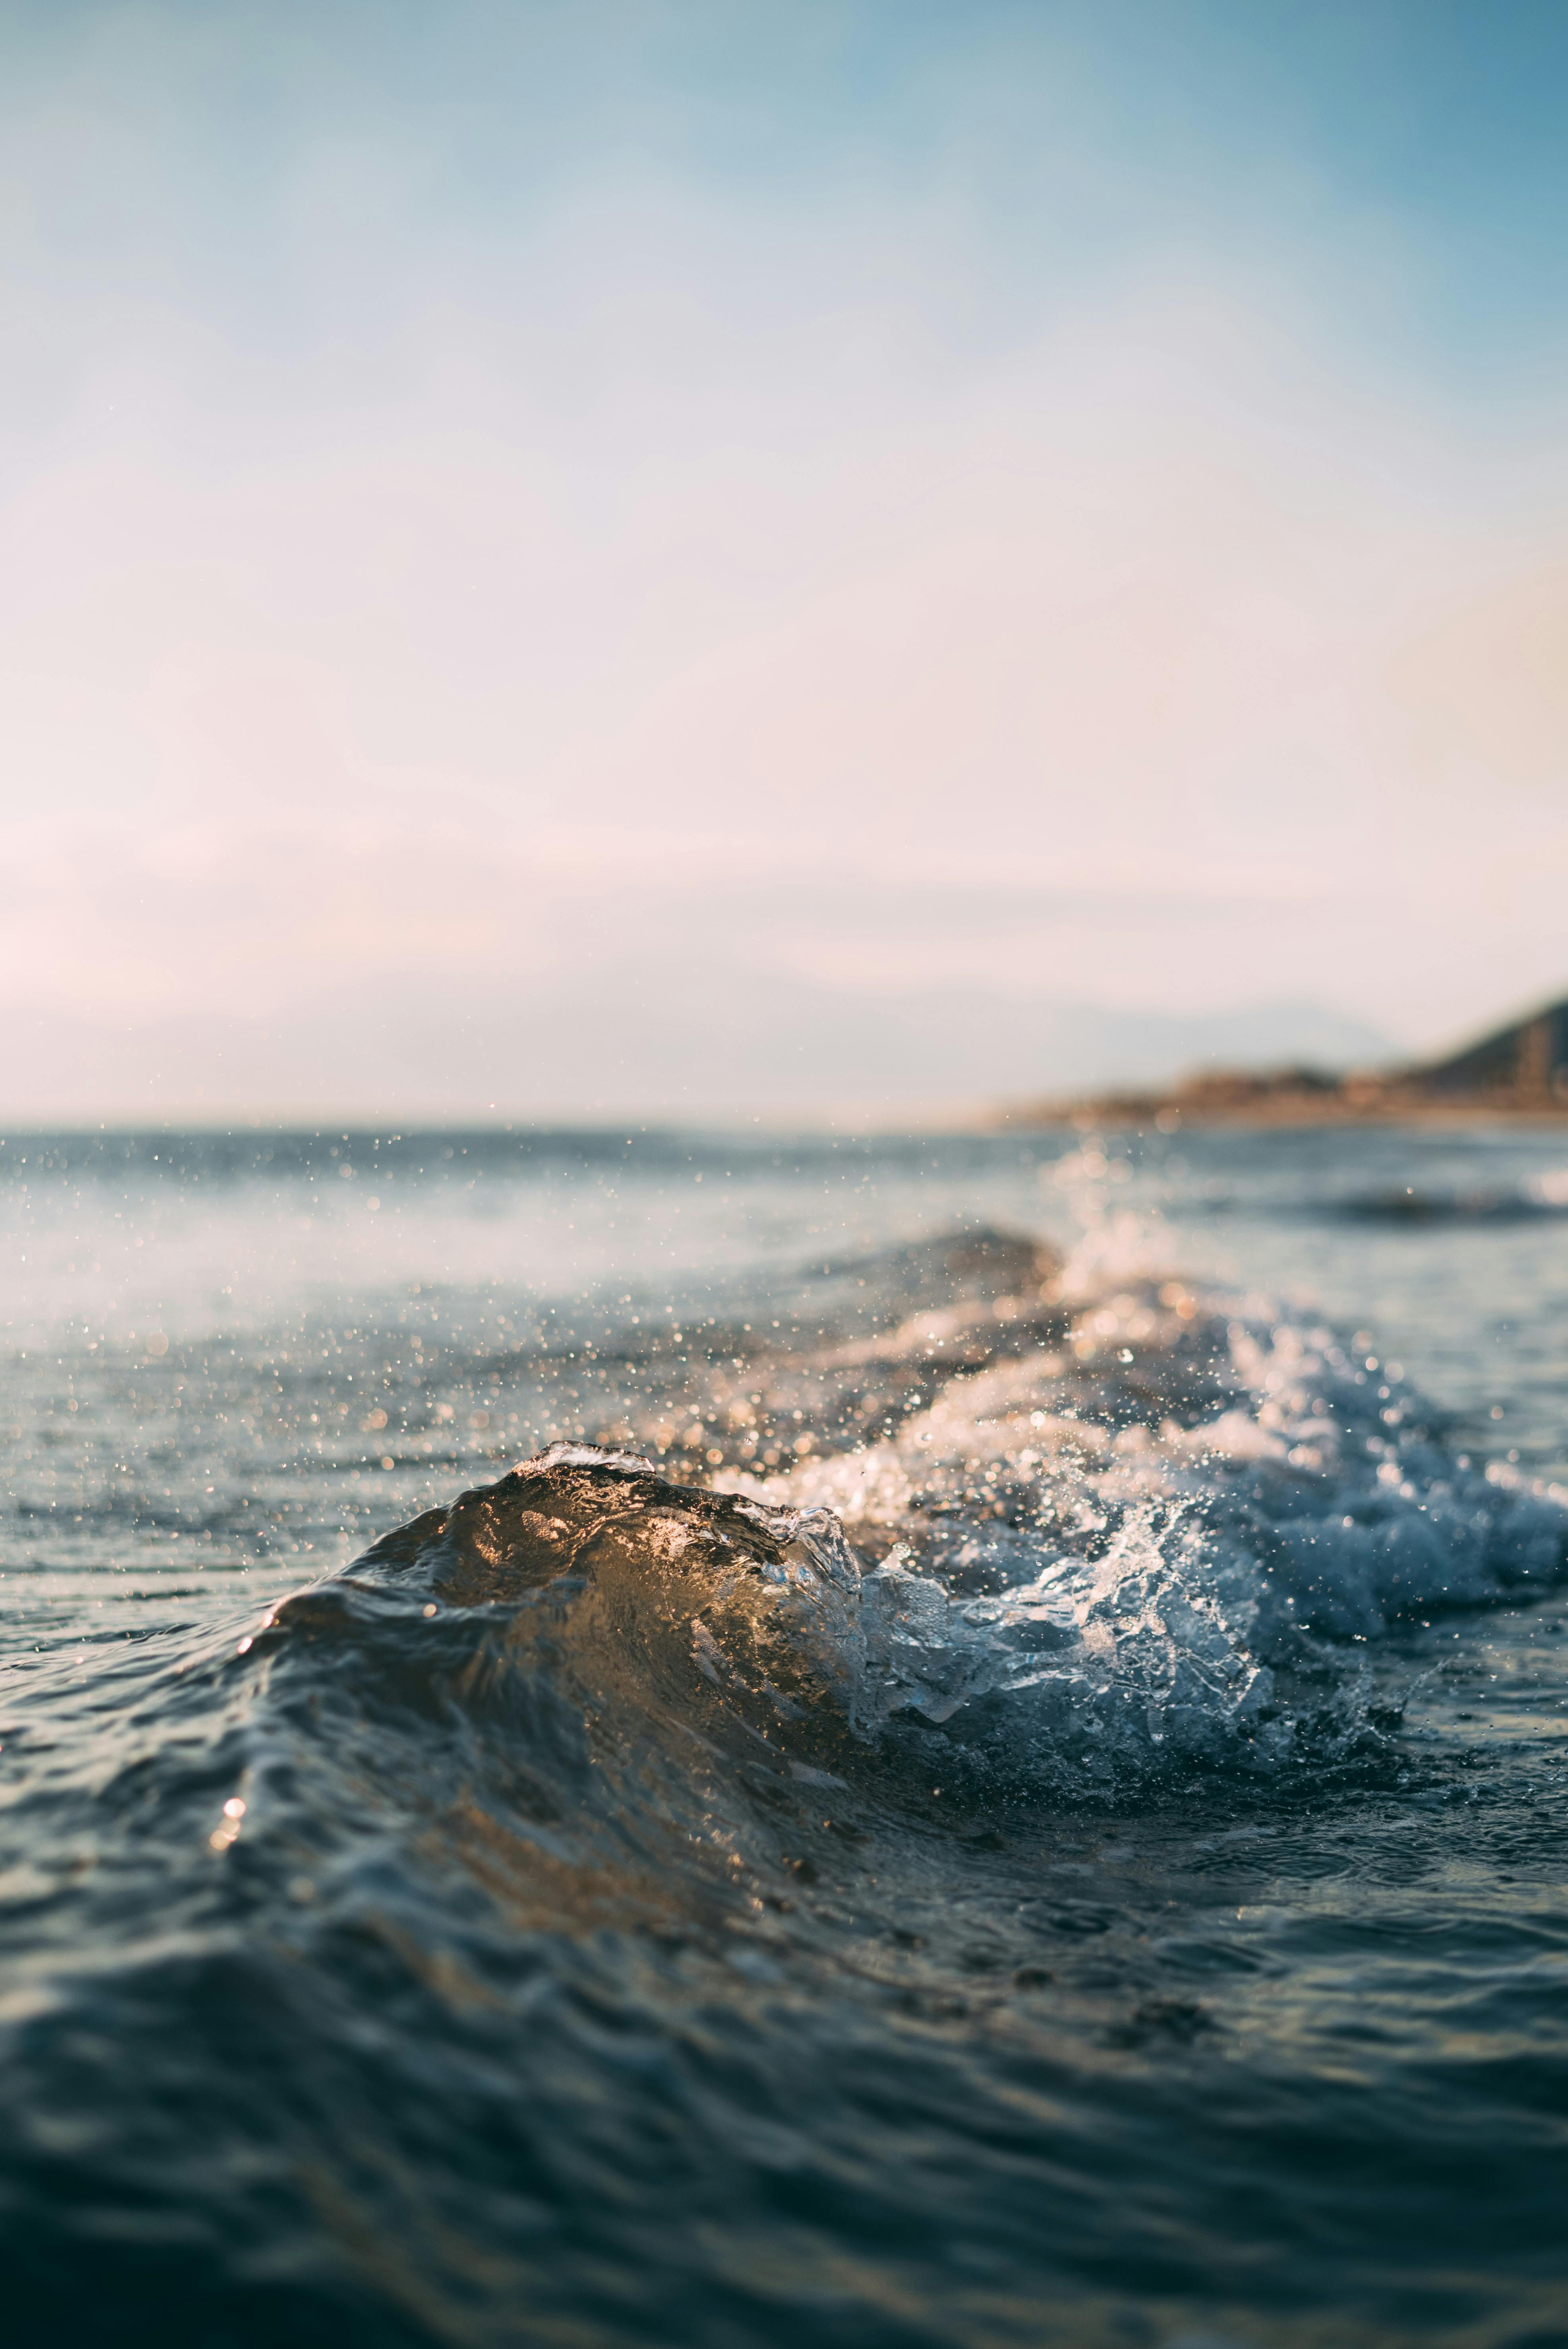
(1519, 1070)
(1528, 1059)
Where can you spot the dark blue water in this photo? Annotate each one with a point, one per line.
(1017, 1796)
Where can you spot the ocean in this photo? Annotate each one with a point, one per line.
(738, 1738)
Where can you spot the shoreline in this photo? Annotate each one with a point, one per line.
(1167, 1116)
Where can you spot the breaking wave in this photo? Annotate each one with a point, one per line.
(550, 1911)
(1090, 1518)
(1139, 1508)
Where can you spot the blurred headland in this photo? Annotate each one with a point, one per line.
(1517, 1071)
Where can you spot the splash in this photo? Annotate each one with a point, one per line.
(1134, 1507)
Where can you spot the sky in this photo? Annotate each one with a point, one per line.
(699, 559)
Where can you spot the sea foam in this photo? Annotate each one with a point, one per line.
(1132, 1528)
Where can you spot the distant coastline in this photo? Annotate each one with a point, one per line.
(1515, 1073)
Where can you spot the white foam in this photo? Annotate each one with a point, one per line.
(1156, 1511)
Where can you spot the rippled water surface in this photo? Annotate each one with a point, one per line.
(727, 1740)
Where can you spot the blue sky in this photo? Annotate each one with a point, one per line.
(1103, 464)
(1325, 140)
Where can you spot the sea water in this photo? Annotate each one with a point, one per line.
(990, 1771)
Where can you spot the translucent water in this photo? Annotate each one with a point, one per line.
(995, 1775)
